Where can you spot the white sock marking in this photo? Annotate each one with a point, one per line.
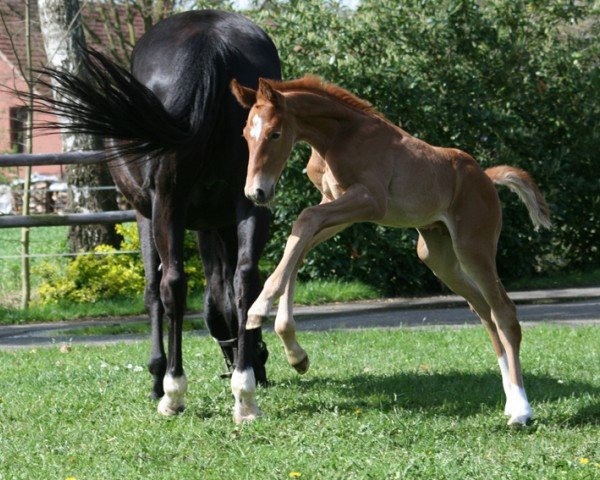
(503, 364)
(243, 387)
(172, 401)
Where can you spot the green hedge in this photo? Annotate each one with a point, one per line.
(511, 82)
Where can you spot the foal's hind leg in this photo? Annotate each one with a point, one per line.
(157, 365)
(476, 251)
(436, 251)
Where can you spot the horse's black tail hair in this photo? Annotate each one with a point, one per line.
(108, 101)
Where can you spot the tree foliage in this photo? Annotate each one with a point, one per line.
(511, 82)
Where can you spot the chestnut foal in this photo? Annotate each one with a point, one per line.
(369, 170)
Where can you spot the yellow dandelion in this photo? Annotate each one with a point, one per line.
(584, 461)
(70, 478)
(295, 474)
(357, 411)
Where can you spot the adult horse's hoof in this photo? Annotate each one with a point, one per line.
(302, 366)
(255, 321)
(172, 401)
(239, 418)
(155, 396)
(168, 410)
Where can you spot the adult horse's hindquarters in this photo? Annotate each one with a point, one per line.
(178, 156)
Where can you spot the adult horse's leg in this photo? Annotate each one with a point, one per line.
(252, 233)
(219, 298)
(168, 224)
(157, 365)
(436, 251)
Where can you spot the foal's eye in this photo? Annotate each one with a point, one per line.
(274, 135)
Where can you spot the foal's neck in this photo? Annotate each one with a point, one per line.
(320, 119)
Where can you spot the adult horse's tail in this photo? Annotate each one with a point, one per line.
(107, 100)
(520, 182)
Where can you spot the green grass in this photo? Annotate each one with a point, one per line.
(330, 291)
(309, 293)
(587, 278)
(128, 328)
(71, 311)
(376, 404)
(42, 240)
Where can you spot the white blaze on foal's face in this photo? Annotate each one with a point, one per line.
(256, 129)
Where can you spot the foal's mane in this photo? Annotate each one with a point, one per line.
(314, 84)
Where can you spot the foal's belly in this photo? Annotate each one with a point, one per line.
(401, 218)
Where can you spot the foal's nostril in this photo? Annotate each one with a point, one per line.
(259, 195)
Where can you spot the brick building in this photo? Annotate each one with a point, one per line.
(12, 49)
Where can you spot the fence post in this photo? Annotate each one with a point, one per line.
(25, 267)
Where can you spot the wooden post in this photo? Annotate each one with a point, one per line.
(25, 267)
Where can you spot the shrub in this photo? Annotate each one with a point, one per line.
(88, 278)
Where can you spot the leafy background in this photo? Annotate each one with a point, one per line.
(511, 82)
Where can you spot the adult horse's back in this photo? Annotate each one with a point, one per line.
(179, 157)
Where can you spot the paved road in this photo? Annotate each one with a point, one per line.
(572, 313)
(365, 315)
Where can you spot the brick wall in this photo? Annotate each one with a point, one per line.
(42, 143)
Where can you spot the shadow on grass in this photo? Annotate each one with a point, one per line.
(452, 394)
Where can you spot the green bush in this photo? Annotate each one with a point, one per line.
(89, 278)
(511, 82)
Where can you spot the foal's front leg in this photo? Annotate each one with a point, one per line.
(285, 326)
(358, 204)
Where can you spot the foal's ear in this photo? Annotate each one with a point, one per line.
(266, 91)
(244, 95)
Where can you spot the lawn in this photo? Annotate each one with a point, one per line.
(54, 240)
(376, 404)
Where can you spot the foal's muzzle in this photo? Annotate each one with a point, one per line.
(259, 196)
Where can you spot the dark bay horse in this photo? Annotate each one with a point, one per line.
(368, 169)
(178, 155)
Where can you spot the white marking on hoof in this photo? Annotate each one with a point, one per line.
(172, 401)
(243, 387)
(518, 406)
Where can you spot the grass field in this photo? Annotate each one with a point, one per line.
(376, 404)
(53, 240)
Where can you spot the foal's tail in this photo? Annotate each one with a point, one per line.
(105, 99)
(520, 182)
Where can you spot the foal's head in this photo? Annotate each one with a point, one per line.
(270, 135)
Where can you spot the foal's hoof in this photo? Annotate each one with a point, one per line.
(255, 321)
(302, 366)
(518, 421)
